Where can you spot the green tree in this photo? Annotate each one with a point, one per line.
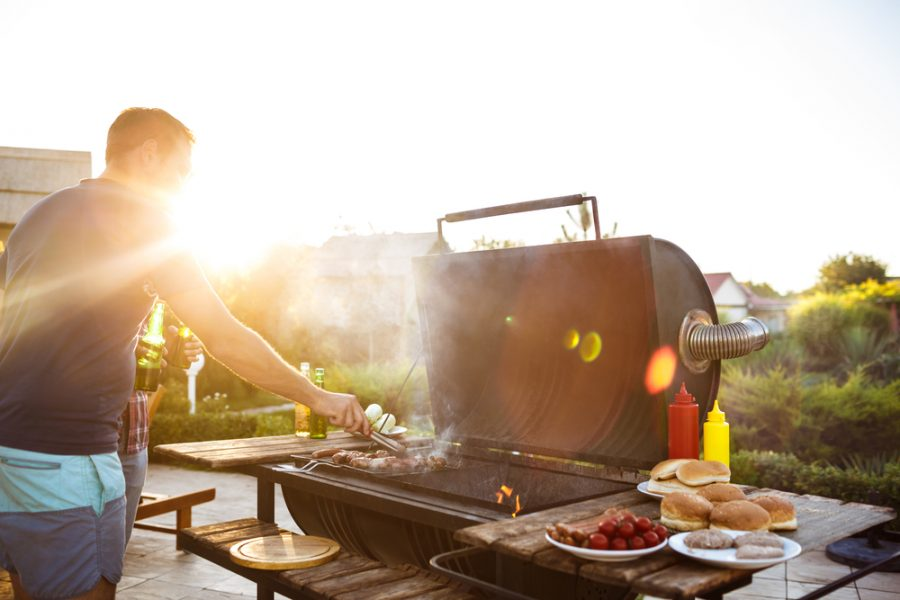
(850, 269)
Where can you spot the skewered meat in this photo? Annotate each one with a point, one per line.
(344, 457)
(361, 462)
(326, 452)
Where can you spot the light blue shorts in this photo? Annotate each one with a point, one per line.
(62, 521)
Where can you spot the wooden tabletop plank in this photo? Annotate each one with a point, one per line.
(687, 579)
(344, 564)
(488, 533)
(261, 450)
(623, 573)
(525, 546)
(400, 589)
(343, 583)
(556, 559)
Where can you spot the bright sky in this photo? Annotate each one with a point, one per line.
(761, 137)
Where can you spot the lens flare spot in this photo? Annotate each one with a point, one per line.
(660, 370)
(571, 339)
(590, 347)
(509, 319)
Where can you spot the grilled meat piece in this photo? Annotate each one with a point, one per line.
(326, 452)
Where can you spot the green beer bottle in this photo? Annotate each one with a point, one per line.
(178, 358)
(318, 425)
(149, 362)
(301, 412)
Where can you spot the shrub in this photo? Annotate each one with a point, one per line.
(815, 418)
(169, 428)
(786, 472)
(821, 323)
(763, 410)
(782, 351)
(278, 423)
(857, 417)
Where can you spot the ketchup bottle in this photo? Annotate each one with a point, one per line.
(684, 426)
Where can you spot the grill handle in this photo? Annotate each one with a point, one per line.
(700, 341)
(519, 207)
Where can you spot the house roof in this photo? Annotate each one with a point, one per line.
(379, 255)
(715, 280)
(754, 301)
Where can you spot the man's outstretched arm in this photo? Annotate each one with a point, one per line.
(247, 354)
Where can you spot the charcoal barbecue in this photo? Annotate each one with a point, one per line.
(542, 366)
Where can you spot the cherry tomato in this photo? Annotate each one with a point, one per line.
(629, 518)
(599, 541)
(607, 528)
(626, 530)
(643, 524)
(619, 544)
(661, 531)
(651, 538)
(637, 543)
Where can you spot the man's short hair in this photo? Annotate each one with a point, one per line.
(136, 125)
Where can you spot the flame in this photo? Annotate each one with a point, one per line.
(506, 491)
(660, 370)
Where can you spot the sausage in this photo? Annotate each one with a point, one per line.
(360, 462)
(326, 452)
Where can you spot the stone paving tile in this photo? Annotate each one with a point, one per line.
(815, 567)
(234, 584)
(777, 572)
(196, 575)
(797, 589)
(761, 588)
(127, 582)
(878, 595)
(878, 581)
(156, 589)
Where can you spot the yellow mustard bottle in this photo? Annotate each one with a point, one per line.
(715, 436)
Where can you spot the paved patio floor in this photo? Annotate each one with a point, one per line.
(155, 570)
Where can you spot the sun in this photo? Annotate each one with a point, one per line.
(225, 229)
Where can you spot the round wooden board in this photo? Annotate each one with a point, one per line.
(285, 551)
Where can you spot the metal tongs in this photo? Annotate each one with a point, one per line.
(388, 444)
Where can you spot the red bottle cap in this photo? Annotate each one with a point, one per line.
(683, 397)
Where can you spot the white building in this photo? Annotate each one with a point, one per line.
(735, 301)
(29, 174)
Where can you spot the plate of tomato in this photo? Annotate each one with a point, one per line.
(616, 538)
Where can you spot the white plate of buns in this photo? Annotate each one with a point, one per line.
(686, 475)
(735, 549)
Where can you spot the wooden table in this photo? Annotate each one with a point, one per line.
(665, 573)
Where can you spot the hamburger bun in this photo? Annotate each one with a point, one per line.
(686, 512)
(703, 472)
(668, 486)
(781, 512)
(722, 492)
(666, 469)
(739, 514)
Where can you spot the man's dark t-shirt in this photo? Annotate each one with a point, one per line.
(77, 272)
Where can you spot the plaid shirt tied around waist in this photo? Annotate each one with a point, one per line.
(134, 431)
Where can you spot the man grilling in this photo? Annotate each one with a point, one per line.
(74, 274)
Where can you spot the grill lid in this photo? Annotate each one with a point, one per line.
(546, 349)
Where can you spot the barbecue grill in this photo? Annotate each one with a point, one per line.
(549, 370)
